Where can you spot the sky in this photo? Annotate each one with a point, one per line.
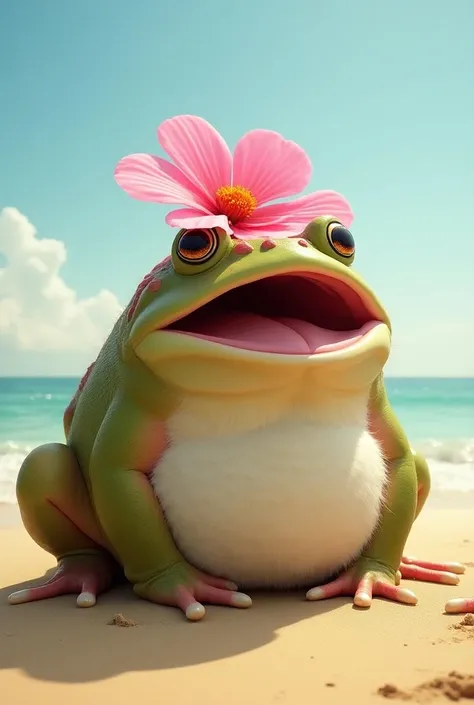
(379, 94)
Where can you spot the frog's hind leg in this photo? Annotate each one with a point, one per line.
(57, 513)
(428, 571)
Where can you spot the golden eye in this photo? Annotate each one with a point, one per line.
(197, 246)
(341, 240)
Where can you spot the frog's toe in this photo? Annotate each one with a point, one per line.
(19, 597)
(53, 588)
(195, 611)
(364, 588)
(460, 605)
(428, 571)
(86, 599)
(448, 566)
(86, 576)
(413, 572)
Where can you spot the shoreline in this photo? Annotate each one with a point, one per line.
(10, 517)
(282, 650)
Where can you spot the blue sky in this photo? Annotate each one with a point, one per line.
(379, 94)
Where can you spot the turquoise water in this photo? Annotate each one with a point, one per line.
(437, 414)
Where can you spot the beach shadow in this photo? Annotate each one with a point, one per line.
(52, 640)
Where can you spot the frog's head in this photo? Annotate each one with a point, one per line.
(232, 316)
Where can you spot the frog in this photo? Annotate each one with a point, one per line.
(235, 434)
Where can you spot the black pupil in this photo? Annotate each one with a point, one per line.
(194, 241)
(343, 238)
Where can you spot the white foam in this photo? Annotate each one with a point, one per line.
(456, 450)
(11, 457)
(451, 477)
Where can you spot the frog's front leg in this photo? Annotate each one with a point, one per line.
(127, 448)
(58, 515)
(375, 573)
(428, 571)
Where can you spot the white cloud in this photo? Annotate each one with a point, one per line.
(39, 312)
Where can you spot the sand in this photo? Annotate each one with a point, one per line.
(282, 650)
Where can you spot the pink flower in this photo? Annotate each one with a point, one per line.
(219, 190)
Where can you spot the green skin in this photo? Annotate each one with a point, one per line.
(89, 502)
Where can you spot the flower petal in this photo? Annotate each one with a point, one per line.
(199, 151)
(303, 210)
(192, 219)
(149, 178)
(270, 166)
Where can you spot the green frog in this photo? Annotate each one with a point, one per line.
(234, 433)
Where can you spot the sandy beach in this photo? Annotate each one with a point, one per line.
(282, 650)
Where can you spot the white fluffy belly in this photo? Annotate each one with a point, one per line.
(283, 505)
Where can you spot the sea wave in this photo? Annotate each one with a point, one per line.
(457, 451)
(11, 456)
(451, 464)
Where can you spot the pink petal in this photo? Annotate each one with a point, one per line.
(192, 219)
(303, 210)
(150, 178)
(199, 151)
(270, 166)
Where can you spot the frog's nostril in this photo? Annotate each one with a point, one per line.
(303, 243)
(268, 244)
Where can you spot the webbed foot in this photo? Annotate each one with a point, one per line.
(447, 573)
(86, 575)
(365, 580)
(186, 588)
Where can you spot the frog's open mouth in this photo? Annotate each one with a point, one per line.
(289, 314)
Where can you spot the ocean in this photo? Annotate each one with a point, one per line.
(437, 415)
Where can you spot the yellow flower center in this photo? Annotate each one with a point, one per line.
(236, 202)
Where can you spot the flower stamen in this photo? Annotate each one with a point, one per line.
(236, 202)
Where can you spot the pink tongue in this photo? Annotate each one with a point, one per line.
(288, 336)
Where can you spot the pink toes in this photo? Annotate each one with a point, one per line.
(395, 593)
(367, 589)
(189, 599)
(61, 585)
(217, 582)
(414, 572)
(460, 605)
(185, 600)
(363, 590)
(428, 571)
(448, 567)
(337, 588)
(53, 588)
(86, 576)
(217, 596)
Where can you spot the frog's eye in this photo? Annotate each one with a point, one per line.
(197, 246)
(341, 240)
